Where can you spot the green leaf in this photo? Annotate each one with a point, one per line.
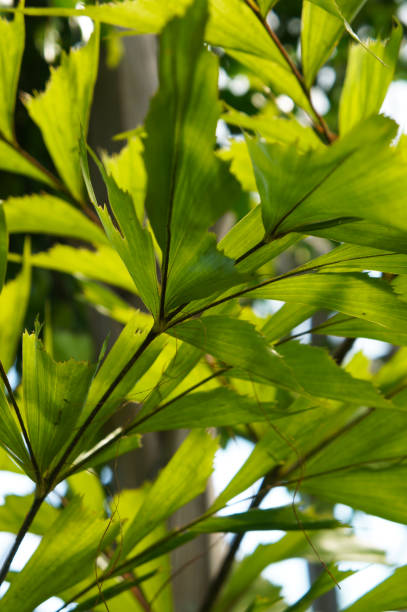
(285, 319)
(354, 294)
(379, 492)
(10, 436)
(87, 486)
(350, 257)
(238, 156)
(113, 591)
(282, 518)
(322, 26)
(12, 160)
(104, 452)
(188, 187)
(183, 479)
(144, 16)
(344, 326)
(107, 302)
(54, 397)
(266, 5)
(217, 335)
(11, 52)
(123, 349)
(319, 375)
(293, 438)
(127, 169)
(102, 264)
(6, 463)
(391, 594)
(64, 557)
(341, 547)
(368, 78)
(47, 214)
(214, 408)
(14, 510)
(133, 242)
(274, 128)
(274, 74)
(366, 234)
(3, 246)
(184, 360)
(323, 584)
(363, 466)
(246, 244)
(234, 26)
(295, 188)
(62, 110)
(13, 305)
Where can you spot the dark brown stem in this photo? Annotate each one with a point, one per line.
(217, 583)
(20, 536)
(21, 423)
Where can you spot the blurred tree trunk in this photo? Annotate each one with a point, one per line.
(122, 98)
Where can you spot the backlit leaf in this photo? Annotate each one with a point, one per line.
(14, 510)
(282, 518)
(391, 594)
(3, 246)
(354, 294)
(191, 187)
(103, 264)
(13, 305)
(64, 557)
(183, 479)
(62, 110)
(323, 584)
(54, 397)
(13, 161)
(133, 242)
(12, 36)
(368, 78)
(47, 214)
(322, 27)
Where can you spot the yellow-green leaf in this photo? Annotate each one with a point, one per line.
(11, 52)
(369, 73)
(62, 110)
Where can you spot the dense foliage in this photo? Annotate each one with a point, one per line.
(203, 352)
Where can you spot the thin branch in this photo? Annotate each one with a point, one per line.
(323, 127)
(21, 423)
(217, 583)
(20, 536)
